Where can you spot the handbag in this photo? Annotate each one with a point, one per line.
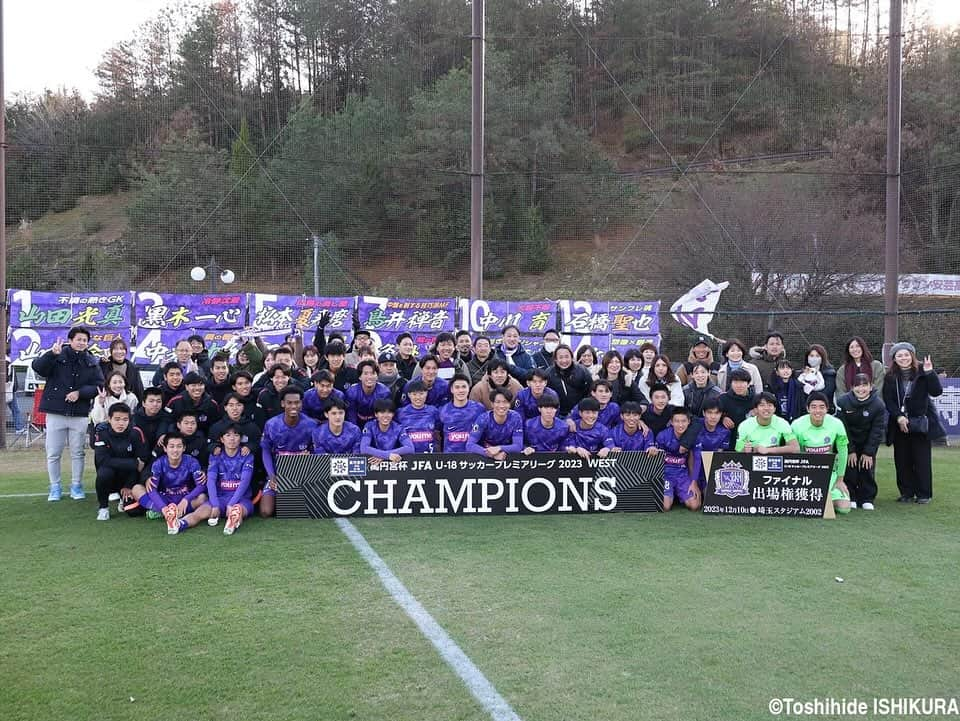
(916, 425)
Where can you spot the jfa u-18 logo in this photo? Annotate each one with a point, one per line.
(732, 480)
(350, 466)
(768, 463)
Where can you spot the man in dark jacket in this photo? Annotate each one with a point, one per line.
(865, 417)
(195, 399)
(543, 358)
(120, 454)
(73, 379)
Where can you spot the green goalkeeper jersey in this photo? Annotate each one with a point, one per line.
(829, 437)
(776, 433)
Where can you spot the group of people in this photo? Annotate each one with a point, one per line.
(201, 443)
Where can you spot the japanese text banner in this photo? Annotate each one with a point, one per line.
(156, 346)
(407, 314)
(37, 309)
(174, 311)
(492, 316)
(29, 343)
(282, 312)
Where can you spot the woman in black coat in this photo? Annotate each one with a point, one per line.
(907, 390)
(571, 381)
(118, 361)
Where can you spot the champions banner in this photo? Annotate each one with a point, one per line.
(322, 486)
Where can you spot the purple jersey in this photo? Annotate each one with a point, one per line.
(457, 422)
(609, 416)
(174, 484)
(545, 440)
(716, 440)
(592, 438)
(279, 439)
(381, 444)
(487, 432)
(619, 438)
(437, 395)
(526, 405)
(326, 441)
(420, 424)
(313, 404)
(229, 478)
(360, 403)
(676, 464)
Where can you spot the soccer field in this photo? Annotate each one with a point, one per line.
(594, 617)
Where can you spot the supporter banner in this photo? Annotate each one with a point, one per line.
(492, 316)
(386, 340)
(633, 317)
(320, 486)
(948, 405)
(282, 312)
(584, 317)
(36, 309)
(600, 343)
(156, 346)
(29, 343)
(792, 484)
(173, 311)
(625, 343)
(424, 315)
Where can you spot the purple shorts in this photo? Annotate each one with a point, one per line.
(677, 486)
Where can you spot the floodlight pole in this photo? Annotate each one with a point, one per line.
(316, 264)
(477, 40)
(892, 254)
(3, 248)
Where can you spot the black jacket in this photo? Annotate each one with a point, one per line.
(694, 398)
(119, 451)
(542, 359)
(66, 372)
(252, 410)
(149, 427)
(571, 385)
(207, 410)
(130, 372)
(925, 387)
(521, 366)
(864, 420)
(196, 446)
(218, 391)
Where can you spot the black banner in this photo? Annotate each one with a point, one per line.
(789, 484)
(322, 486)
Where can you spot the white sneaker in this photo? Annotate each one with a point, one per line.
(113, 497)
(853, 505)
(867, 506)
(103, 514)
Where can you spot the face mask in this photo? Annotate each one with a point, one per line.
(550, 346)
(814, 362)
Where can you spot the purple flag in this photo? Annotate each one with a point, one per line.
(492, 316)
(36, 309)
(585, 317)
(155, 346)
(29, 343)
(282, 312)
(634, 317)
(172, 311)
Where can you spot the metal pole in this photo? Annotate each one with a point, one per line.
(316, 265)
(892, 255)
(212, 274)
(476, 152)
(3, 247)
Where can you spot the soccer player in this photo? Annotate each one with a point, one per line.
(290, 433)
(737, 402)
(457, 417)
(527, 401)
(657, 415)
(343, 376)
(337, 435)
(588, 435)
(818, 432)
(197, 400)
(176, 485)
(249, 431)
(194, 442)
(228, 484)
(119, 454)
(269, 399)
(147, 418)
(242, 383)
(545, 434)
(361, 397)
(438, 391)
(630, 434)
(681, 466)
(420, 420)
(171, 383)
(383, 438)
(766, 432)
(499, 431)
(218, 384)
(609, 416)
(315, 399)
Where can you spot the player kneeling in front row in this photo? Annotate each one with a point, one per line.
(681, 465)
(228, 483)
(175, 487)
(119, 452)
(818, 432)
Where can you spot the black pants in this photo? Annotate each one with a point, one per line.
(110, 480)
(862, 483)
(911, 455)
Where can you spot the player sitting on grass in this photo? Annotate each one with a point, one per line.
(588, 435)
(228, 484)
(818, 432)
(383, 438)
(681, 467)
(499, 431)
(766, 432)
(176, 484)
(119, 454)
(337, 435)
(545, 434)
(629, 434)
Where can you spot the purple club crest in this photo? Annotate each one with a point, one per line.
(732, 480)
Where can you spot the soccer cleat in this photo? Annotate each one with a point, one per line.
(76, 492)
(113, 497)
(103, 514)
(853, 505)
(170, 516)
(234, 519)
(867, 506)
(55, 493)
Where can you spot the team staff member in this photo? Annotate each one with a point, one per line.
(73, 380)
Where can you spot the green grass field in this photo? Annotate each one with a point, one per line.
(600, 617)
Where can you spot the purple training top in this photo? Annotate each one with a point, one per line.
(487, 432)
(421, 425)
(380, 444)
(326, 441)
(456, 423)
(279, 439)
(545, 440)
